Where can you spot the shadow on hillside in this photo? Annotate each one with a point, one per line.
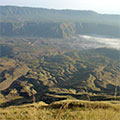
(5, 50)
(37, 85)
(89, 97)
(43, 94)
(22, 101)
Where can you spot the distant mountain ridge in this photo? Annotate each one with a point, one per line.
(41, 13)
(19, 21)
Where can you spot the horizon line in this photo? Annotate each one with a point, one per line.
(60, 9)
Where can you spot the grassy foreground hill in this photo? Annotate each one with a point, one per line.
(63, 110)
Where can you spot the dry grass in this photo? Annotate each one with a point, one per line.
(64, 110)
(87, 104)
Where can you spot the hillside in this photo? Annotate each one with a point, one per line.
(14, 13)
(50, 23)
(50, 55)
(56, 71)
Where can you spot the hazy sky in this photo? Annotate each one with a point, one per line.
(101, 6)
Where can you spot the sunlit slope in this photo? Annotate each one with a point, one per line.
(10, 71)
(52, 71)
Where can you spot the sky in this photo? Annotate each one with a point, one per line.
(100, 6)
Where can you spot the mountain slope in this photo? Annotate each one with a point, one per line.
(44, 56)
(57, 30)
(56, 70)
(23, 21)
(41, 14)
